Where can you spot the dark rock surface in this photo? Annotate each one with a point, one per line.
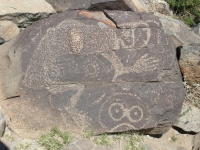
(79, 73)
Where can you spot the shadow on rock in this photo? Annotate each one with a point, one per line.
(3, 146)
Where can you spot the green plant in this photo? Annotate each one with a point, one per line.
(55, 140)
(186, 10)
(23, 146)
(134, 142)
(8, 137)
(185, 112)
(88, 134)
(174, 139)
(102, 140)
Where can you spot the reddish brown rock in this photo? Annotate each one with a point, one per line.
(98, 16)
(190, 63)
(79, 73)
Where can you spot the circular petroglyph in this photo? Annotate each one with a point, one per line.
(90, 69)
(75, 39)
(135, 114)
(124, 110)
(116, 111)
(94, 66)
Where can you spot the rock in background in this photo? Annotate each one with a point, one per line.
(160, 6)
(196, 142)
(182, 35)
(189, 118)
(190, 63)
(64, 5)
(197, 29)
(8, 30)
(24, 12)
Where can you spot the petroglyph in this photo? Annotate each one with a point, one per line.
(72, 62)
(75, 38)
(44, 65)
(85, 74)
(133, 38)
(124, 109)
(51, 70)
(143, 64)
(69, 104)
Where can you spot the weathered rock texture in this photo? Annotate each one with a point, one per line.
(190, 63)
(24, 12)
(79, 73)
(2, 124)
(196, 142)
(190, 119)
(8, 30)
(63, 5)
(160, 6)
(197, 29)
(181, 33)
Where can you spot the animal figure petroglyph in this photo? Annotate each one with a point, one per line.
(60, 52)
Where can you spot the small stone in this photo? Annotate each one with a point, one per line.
(196, 146)
(197, 29)
(2, 124)
(8, 30)
(149, 137)
(176, 132)
(181, 148)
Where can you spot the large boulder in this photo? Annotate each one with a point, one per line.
(190, 63)
(24, 12)
(81, 71)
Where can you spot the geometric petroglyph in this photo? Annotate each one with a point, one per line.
(124, 109)
(85, 68)
(129, 38)
(64, 55)
(96, 74)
